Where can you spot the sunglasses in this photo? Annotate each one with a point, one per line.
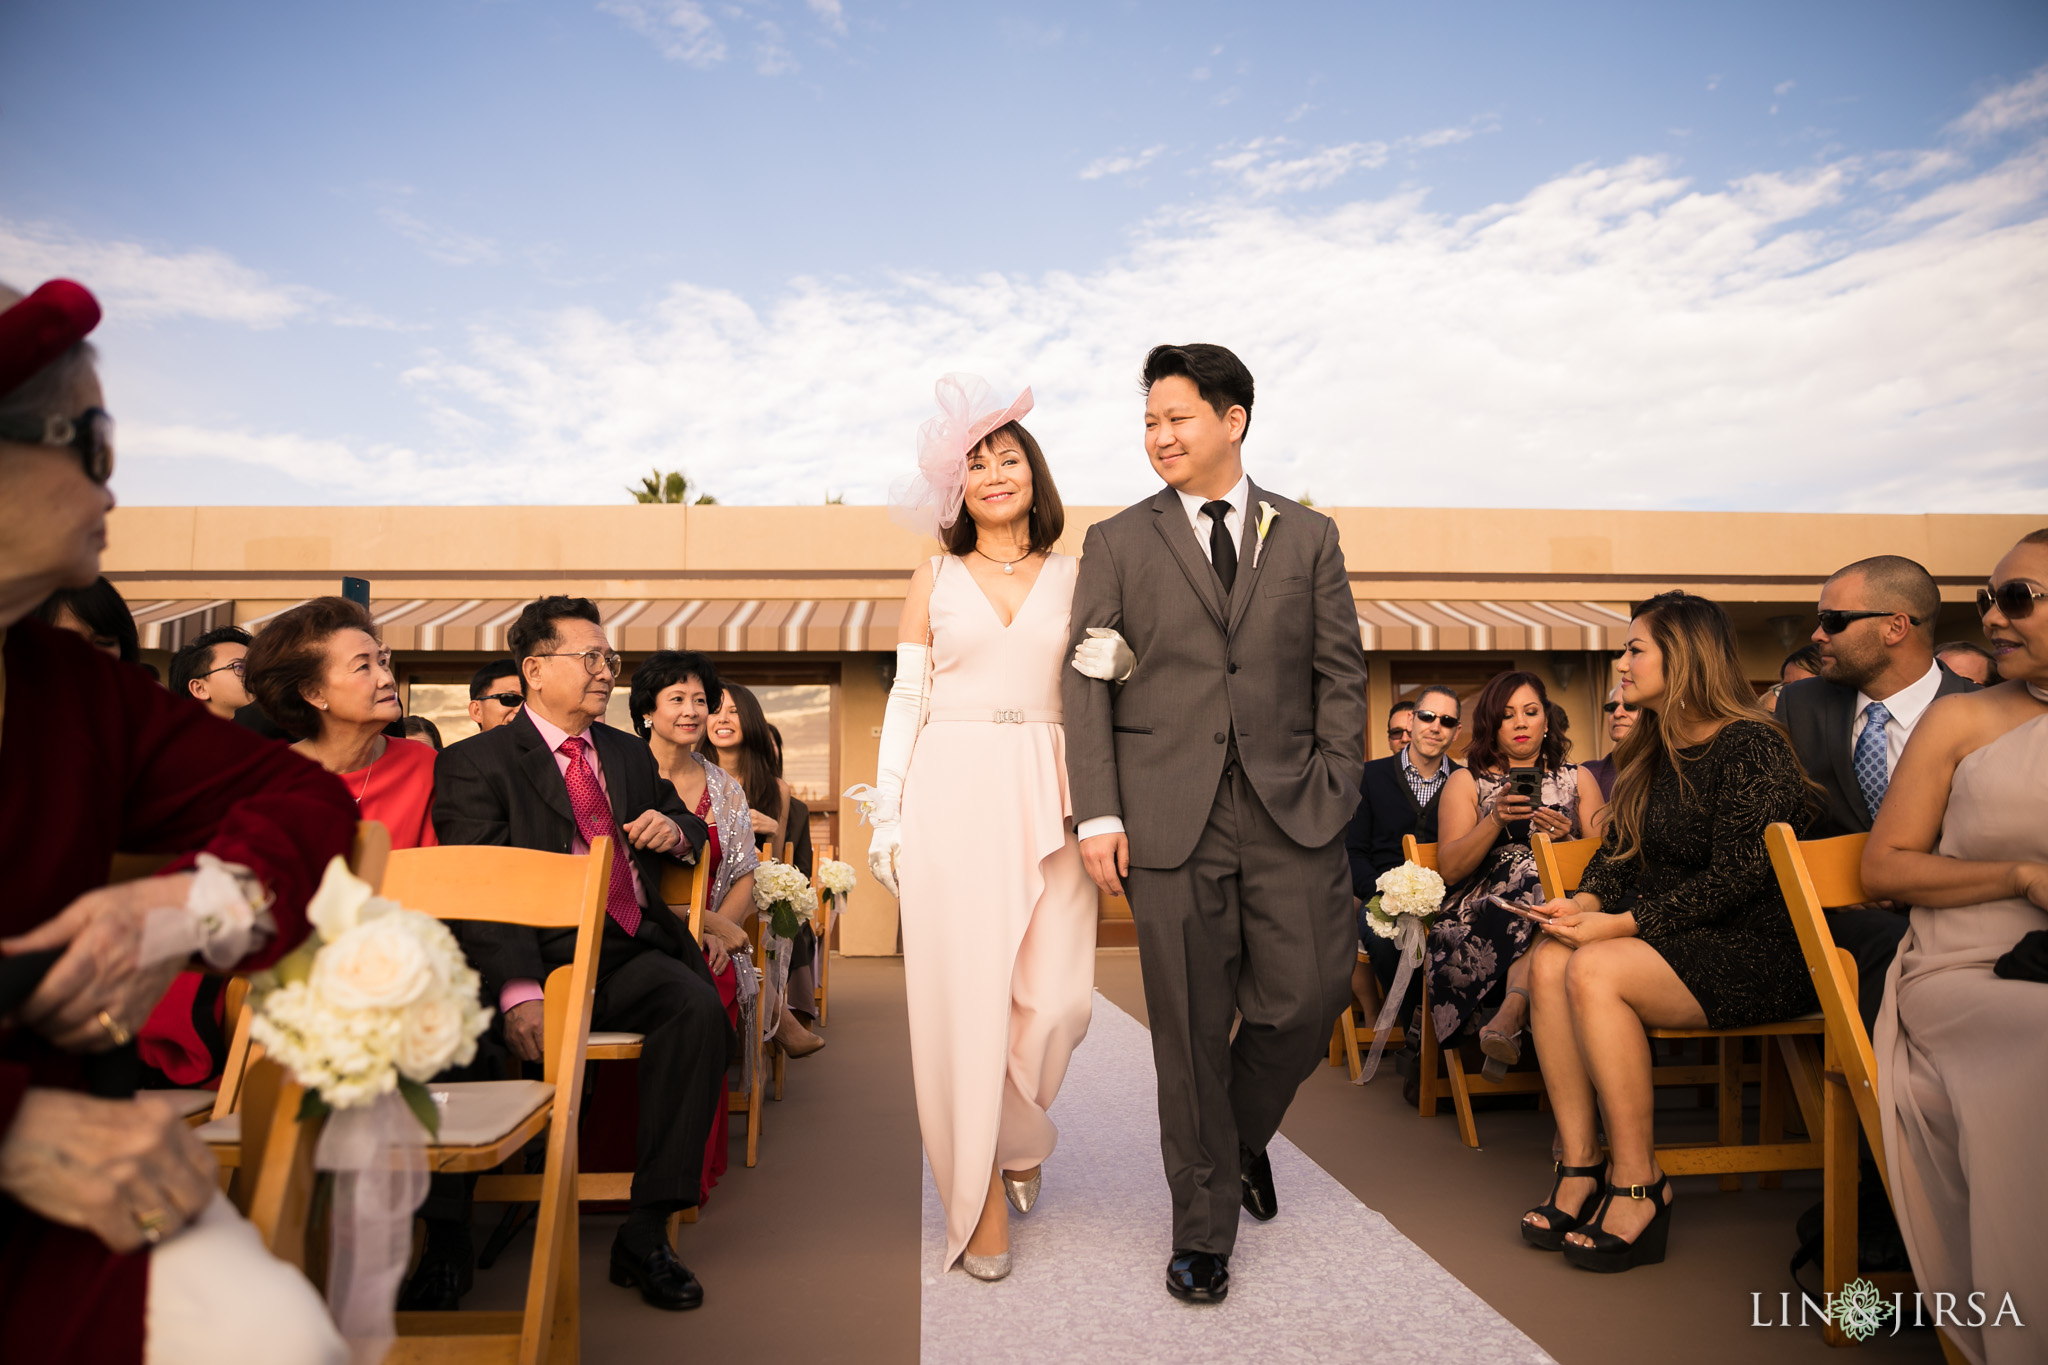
(2014, 599)
(1444, 718)
(511, 701)
(1835, 622)
(1611, 707)
(90, 436)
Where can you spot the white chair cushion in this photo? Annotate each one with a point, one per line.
(480, 1112)
(606, 1038)
(474, 1114)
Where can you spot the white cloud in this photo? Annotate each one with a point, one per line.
(1616, 337)
(447, 245)
(1840, 338)
(1784, 88)
(679, 29)
(1122, 164)
(140, 284)
(831, 14)
(1265, 166)
(2003, 111)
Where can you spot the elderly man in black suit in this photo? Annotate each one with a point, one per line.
(1849, 725)
(554, 777)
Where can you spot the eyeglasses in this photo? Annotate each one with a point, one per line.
(1614, 706)
(511, 701)
(240, 668)
(593, 659)
(2013, 598)
(90, 436)
(1835, 622)
(1448, 721)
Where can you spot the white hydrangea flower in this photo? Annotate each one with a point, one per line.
(775, 881)
(836, 877)
(1410, 889)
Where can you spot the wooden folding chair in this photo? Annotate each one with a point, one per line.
(747, 1101)
(822, 926)
(485, 1123)
(1817, 875)
(1795, 1063)
(1454, 1080)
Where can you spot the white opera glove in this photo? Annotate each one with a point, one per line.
(1104, 656)
(882, 804)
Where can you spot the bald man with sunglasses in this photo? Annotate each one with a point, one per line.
(1849, 725)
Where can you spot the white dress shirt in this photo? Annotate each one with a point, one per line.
(1906, 706)
(1233, 520)
(1233, 523)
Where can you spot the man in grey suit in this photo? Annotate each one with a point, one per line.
(1215, 721)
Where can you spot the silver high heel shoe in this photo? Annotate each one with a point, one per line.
(986, 1267)
(1022, 1194)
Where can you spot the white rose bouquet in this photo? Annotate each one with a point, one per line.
(1410, 898)
(784, 894)
(379, 999)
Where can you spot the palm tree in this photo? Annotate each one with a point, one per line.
(675, 486)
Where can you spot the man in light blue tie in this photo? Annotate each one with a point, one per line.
(1849, 726)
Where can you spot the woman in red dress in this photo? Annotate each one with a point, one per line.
(318, 671)
(114, 1241)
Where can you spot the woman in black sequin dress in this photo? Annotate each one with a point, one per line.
(1678, 923)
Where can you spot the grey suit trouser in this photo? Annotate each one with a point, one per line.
(1251, 923)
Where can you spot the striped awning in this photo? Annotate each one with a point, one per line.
(641, 625)
(1489, 626)
(174, 624)
(477, 625)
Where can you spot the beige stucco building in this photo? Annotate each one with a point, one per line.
(802, 602)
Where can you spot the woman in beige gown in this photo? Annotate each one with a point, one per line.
(1962, 1049)
(973, 825)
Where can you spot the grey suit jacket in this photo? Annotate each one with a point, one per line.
(1278, 663)
(1819, 716)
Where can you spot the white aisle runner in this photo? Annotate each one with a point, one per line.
(1327, 1280)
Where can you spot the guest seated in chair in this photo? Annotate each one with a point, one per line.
(1878, 676)
(115, 1242)
(1678, 923)
(739, 739)
(1398, 795)
(1962, 1043)
(1621, 718)
(554, 778)
(211, 671)
(1478, 952)
(98, 615)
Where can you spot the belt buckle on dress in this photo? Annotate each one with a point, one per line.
(1002, 716)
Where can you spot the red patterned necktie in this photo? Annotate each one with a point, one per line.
(594, 819)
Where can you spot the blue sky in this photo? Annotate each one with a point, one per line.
(1734, 255)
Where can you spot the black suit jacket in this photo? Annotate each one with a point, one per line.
(1819, 714)
(799, 828)
(503, 787)
(1387, 809)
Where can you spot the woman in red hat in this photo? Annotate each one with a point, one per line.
(115, 1244)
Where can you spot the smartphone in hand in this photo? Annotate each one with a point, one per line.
(1534, 916)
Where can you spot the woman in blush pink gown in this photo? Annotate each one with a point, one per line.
(973, 826)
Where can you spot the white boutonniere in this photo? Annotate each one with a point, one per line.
(1267, 516)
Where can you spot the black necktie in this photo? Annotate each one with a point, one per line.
(1222, 550)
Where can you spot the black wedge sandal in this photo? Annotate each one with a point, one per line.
(1552, 1237)
(1609, 1254)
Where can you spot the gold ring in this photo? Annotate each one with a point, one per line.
(151, 1225)
(116, 1029)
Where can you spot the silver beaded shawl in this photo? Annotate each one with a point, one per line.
(734, 819)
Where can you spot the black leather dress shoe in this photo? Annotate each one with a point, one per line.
(663, 1280)
(438, 1285)
(1198, 1276)
(1259, 1200)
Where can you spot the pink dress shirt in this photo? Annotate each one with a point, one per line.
(525, 989)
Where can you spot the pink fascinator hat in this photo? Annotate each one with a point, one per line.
(929, 500)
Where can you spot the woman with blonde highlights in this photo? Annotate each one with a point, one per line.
(1678, 923)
